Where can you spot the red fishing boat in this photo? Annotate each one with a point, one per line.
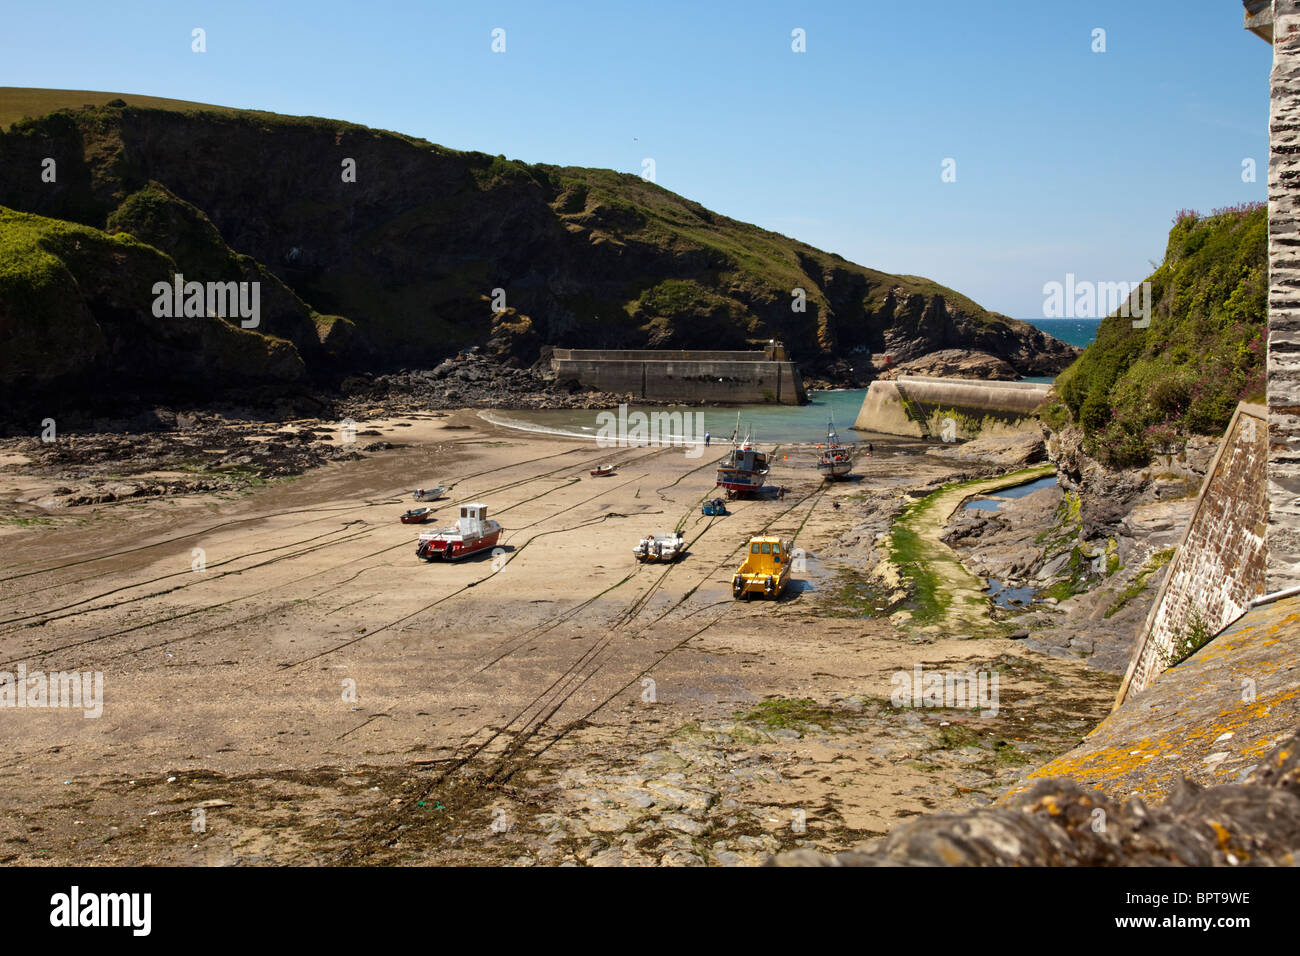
(744, 469)
(604, 471)
(417, 516)
(472, 532)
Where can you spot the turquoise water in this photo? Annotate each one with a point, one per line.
(767, 424)
(1078, 332)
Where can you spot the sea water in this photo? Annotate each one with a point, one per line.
(768, 424)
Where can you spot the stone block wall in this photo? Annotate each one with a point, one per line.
(1220, 565)
(1284, 300)
(658, 375)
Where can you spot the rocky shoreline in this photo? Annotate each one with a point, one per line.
(1074, 563)
(1256, 822)
(471, 380)
(466, 381)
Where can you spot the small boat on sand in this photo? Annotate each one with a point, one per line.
(417, 515)
(428, 494)
(713, 508)
(471, 533)
(604, 471)
(766, 570)
(835, 460)
(660, 546)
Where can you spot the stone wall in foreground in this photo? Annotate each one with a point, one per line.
(1284, 300)
(1220, 565)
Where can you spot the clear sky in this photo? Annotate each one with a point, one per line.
(1067, 160)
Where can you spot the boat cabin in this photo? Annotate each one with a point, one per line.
(766, 570)
(765, 555)
(473, 519)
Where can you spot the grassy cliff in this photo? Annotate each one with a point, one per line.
(400, 266)
(1135, 390)
(71, 313)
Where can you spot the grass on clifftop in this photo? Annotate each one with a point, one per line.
(17, 102)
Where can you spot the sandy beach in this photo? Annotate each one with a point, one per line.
(285, 682)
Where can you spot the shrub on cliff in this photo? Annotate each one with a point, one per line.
(1137, 390)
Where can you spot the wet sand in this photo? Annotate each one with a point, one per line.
(282, 662)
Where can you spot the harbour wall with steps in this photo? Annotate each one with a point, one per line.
(950, 409)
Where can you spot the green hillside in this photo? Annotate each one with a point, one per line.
(1135, 390)
(397, 267)
(68, 304)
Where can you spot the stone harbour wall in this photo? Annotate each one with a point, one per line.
(915, 406)
(660, 375)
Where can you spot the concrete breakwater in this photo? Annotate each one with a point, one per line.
(686, 376)
(921, 406)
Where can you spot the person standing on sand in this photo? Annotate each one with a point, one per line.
(706, 439)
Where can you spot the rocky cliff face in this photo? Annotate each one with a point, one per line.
(430, 250)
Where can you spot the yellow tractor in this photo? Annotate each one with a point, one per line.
(766, 570)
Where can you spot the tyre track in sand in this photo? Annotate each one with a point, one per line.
(192, 611)
(562, 689)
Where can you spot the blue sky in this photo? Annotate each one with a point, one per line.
(1067, 160)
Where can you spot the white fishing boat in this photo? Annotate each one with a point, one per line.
(660, 546)
(835, 459)
(428, 494)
